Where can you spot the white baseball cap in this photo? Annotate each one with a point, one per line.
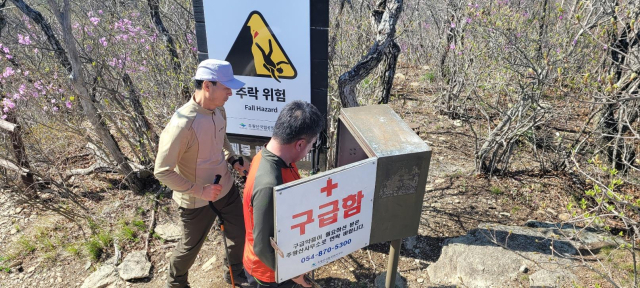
(218, 71)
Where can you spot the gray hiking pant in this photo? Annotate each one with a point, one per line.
(196, 224)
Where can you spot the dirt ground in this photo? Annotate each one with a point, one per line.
(455, 202)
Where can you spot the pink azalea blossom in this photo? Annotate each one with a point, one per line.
(21, 89)
(99, 11)
(452, 47)
(7, 72)
(4, 117)
(103, 41)
(6, 49)
(9, 57)
(55, 109)
(7, 103)
(453, 25)
(24, 40)
(68, 104)
(94, 20)
(468, 20)
(53, 101)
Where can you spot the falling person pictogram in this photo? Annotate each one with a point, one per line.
(269, 64)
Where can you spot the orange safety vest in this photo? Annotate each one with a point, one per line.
(252, 263)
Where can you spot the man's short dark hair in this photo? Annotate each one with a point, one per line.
(296, 121)
(198, 84)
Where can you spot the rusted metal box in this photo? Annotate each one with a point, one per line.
(403, 165)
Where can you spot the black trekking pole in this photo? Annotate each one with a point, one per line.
(224, 236)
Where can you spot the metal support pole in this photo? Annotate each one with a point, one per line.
(392, 265)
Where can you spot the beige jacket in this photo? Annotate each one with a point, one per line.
(193, 149)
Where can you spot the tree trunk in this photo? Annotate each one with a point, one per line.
(542, 29)
(141, 124)
(612, 124)
(386, 30)
(95, 118)
(154, 9)
(391, 59)
(384, 18)
(11, 125)
(447, 46)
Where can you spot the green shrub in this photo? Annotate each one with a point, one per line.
(495, 190)
(94, 249)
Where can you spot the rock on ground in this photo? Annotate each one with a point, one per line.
(168, 231)
(103, 277)
(548, 278)
(409, 242)
(493, 255)
(135, 266)
(381, 279)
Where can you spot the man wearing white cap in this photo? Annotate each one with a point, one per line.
(193, 149)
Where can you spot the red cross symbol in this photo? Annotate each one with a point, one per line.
(329, 188)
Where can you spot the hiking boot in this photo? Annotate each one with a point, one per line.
(239, 278)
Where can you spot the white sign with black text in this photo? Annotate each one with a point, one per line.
(268, 46)
(323, 218)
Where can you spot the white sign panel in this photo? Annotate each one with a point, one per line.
(268, 46)
(323, 218)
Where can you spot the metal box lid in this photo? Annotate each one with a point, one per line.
(382, 131)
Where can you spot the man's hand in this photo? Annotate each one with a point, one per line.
(211, 192)
(242, 169)
(300, 280)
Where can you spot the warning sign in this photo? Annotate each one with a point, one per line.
(257, 52)
(269, 48)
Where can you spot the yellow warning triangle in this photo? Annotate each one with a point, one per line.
(257, 52)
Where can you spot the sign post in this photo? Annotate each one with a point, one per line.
(323, 218)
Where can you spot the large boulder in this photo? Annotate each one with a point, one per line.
(498, 255)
